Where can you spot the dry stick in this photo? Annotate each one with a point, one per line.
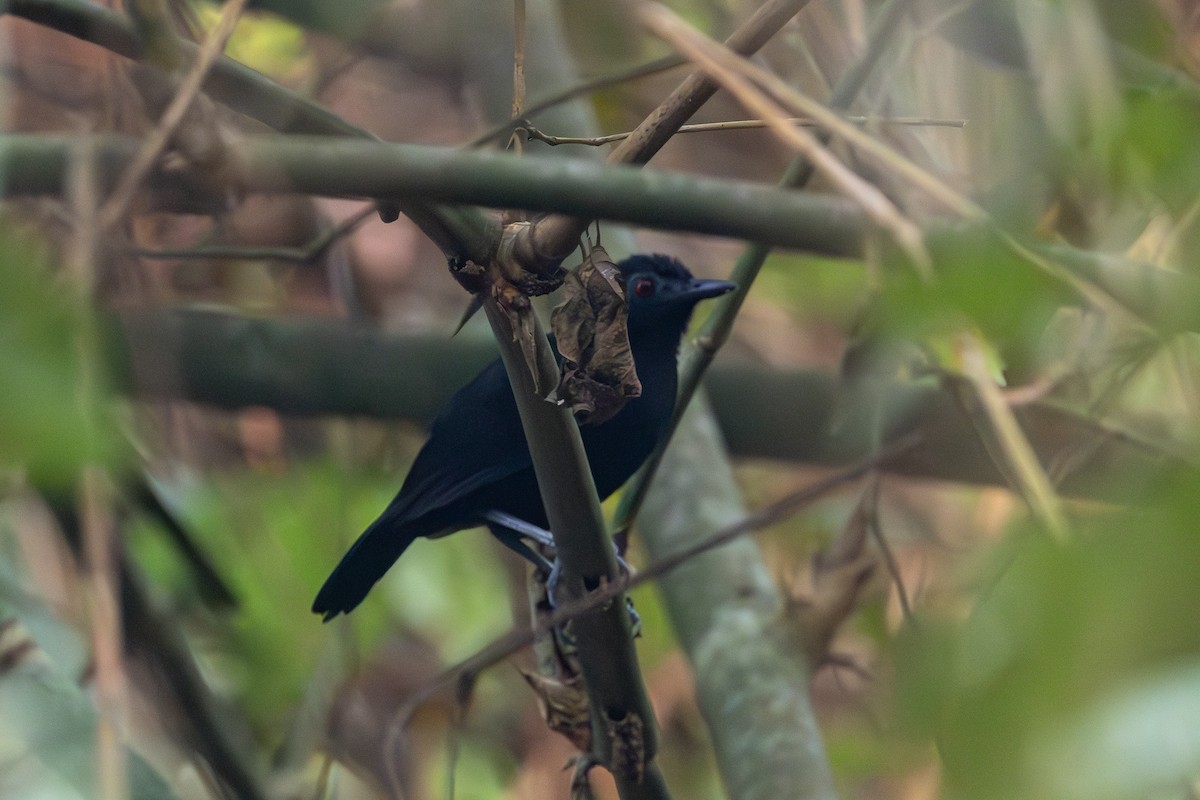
(461, 230)
(1029, 477)
(649, 137)
(885, 549)
(839, 572)
(531, 253)
(99, 538)
(722, 66)
(518, 103)
(740, 124)
(578, 90)
(147, 156)
(607, 656)
(111, 681)
(499, 649)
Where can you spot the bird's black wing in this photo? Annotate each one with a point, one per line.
(475, 441)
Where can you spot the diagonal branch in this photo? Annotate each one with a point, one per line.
(506, 128)
(157, 142)
(738, 125)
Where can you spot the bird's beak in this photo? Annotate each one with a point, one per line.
(704, 289)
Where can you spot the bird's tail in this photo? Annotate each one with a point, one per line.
(362, 566)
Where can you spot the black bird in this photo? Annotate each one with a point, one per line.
(475, 469)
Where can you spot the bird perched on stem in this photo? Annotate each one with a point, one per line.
(475, 469)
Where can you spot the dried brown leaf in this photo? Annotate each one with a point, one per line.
(839, 577)
(521, 321)
(564, 706)
(597, 374)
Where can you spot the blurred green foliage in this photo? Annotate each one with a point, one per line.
(272, 45)
(47, 713)
(55, 413)
(1159, 131)
(814, 290)
(979, 282)
(275, 538)
(1141, 26)
(1024, 696)
(48, 722)
(349, 19)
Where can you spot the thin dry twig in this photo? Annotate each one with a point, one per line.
(889, 558)
(740, 124)
(111, 681)
(840, 573)
(579, 90)
(156, 143)
(726, 68)
(518, 103)
(717, 327)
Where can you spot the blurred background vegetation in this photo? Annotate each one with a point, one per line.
(199, 412)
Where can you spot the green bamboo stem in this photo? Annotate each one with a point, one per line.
(36, 164)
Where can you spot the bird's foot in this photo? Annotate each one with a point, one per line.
(512, 532)
(552, 583)
(627, 572)
(623, 566)
(502, 519)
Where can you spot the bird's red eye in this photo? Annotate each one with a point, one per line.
(643, 287)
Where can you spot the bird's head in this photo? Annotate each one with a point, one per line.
(661, 293)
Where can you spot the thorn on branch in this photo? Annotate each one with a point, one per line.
(389, 211)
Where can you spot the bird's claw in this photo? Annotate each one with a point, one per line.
(512, 532)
